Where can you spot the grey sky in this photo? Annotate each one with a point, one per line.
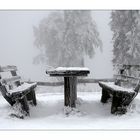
(17, 44)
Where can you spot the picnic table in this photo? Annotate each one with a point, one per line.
(70, 75)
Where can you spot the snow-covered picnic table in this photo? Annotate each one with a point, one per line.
(70, 75)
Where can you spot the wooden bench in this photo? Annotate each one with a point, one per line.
(16, 92)
(120, 95)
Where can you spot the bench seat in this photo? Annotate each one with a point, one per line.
(112, 86)
(25, 87)
(120, 97)
(16, 92)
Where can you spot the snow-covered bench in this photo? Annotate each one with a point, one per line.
(16, 92)
(121, 97)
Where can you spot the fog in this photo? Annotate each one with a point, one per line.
(17, 44)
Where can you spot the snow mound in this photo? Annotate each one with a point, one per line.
(79, 101)
(72, 111)
(134, 108)
(89, 113)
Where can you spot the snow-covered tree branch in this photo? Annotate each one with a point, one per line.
(65, 37)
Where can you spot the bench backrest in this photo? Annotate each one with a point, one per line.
(9, 82)
(128, 75)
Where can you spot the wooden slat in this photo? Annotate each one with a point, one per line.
(126, 76)
(8, 68)
(14, 73)
(70, 91)
(68, 73)
(127, 65)
(23, 88)
(116, 88)
(12, 79)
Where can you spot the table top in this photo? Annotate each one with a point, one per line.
(69, 71)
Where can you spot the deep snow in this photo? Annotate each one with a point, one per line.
(50, 113)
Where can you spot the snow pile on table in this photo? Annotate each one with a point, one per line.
(64, 69)
(51, 114)
(72, 68)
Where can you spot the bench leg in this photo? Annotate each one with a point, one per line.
(24, 105)
(105, 96)
(117, 106)
(7, 98)
(32, 97)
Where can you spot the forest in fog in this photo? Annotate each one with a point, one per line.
(39, 40)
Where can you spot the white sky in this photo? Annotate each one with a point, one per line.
(17, 44)
(101, 64)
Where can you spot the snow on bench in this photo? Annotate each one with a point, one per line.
(114, 87)
(121, 96)
(15, 92)
(22, 88)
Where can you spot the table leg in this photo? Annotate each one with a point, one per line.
(75, 87)
(70, 91)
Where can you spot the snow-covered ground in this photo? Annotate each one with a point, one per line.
(50, 113)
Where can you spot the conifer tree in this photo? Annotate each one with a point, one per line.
(126, 36)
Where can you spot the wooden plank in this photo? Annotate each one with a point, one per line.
(70, 91)
(73, 94)
(126, 76)
(32, 97)
(4, 94)
(66, 91)
(13, 73)
(68, 73)
(129, 66)
(11, 80)
(105, 95)
(75, 83)
(23, 88)
(24, 106)
(125, 65)
(8, 68)
(116, 88)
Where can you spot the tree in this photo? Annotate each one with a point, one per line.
(64, 38)
(48, 38)
(126, 36)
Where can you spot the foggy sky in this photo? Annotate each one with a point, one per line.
(17, 44)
